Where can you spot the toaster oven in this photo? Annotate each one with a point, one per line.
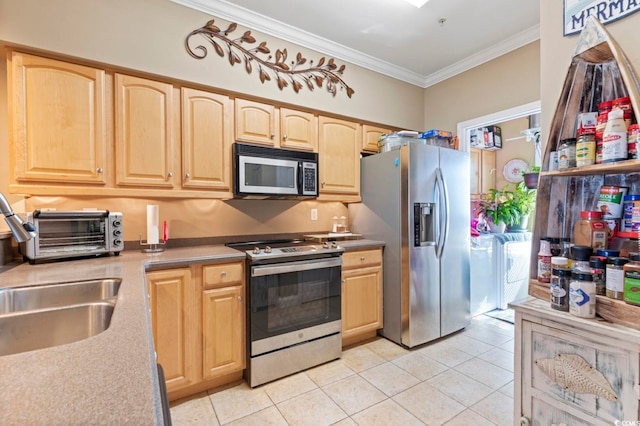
(73, 233)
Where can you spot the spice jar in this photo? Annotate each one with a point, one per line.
(580, 256)
(567, 154)
(623, 103)
(565, 249)
(586, 147)
(559, 262)
(582, 295)
(632, 141)
(554, 246)
(632, 279)
(544, 261)
(598, 265)
(614, 139)
(591, 230)
(615, 277)
(630, 245)
(559, 294)
(604, 107)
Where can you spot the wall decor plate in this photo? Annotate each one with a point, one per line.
(513, 169)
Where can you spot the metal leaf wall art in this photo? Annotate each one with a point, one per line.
(277, 65)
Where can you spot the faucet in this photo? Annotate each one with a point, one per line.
(21, 231)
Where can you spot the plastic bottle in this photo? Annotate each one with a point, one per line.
(580, 256)
(591, 230)
(559, 294)
(544, 261)
(582, 295)
(614, 138)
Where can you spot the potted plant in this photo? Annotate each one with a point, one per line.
(498, 208)
(524, 202)
(531, 177)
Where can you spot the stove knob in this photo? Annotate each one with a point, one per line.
(256, 250)
(334, 245)
(325, 245)
(267, 249)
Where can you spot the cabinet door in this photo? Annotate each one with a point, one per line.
(299, 130)
(546, 399)
(371, 136)
(58, 120)
(144, 132)
(256, 122)
(339, 157)
(207, 136)
(223, 331)
(173, 303)
(361, 301)
(483, 171)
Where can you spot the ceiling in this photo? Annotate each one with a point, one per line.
(421, 46)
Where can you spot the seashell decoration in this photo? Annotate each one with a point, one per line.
(574, 373)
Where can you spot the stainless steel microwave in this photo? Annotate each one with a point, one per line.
(265, 172)
(73, 233)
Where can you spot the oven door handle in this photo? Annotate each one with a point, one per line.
(305, 265)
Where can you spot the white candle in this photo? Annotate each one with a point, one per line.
(152, 223)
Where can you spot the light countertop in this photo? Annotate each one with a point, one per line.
(109, 378)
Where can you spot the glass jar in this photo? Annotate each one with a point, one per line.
(591, 230)
(567, 154)
(582, 295)
(629, 245)
(554, 246)
(615, 277)
(586, 148)
(565, 249)
(632, 279)
(598, 266)
(580, 256)
(559, 294)
(559, 262)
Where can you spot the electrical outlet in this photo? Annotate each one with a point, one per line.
(314, 214)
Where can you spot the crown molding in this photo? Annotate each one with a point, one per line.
(272, 27)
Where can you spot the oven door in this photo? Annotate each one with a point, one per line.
(269, 176)
(293, 302)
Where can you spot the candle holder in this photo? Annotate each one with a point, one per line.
(151, 247)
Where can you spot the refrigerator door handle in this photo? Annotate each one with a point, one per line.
(443, 212)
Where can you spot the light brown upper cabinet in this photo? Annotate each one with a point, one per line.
(57, 118)
(371, 136)
(144, 132)
(299, 130)
(256, 122)
(207, 136)
(483, 171)
(339, 159)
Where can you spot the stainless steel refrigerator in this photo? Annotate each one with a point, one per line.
(416, 200)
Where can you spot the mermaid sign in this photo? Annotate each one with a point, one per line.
(576, 12)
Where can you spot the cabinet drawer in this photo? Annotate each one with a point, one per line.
(357, 259)
(224, 273)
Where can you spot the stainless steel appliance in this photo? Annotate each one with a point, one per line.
(73, 233)
(264, 172)
(294, 307)
(416, 200)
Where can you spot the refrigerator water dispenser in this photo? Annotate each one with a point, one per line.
(423, 224)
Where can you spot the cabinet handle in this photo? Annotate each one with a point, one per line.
(362, 258)
(169, 175)
(272, 135)
(187, 175)
(99, 170)
(524, 421)
(322, 184)
(344, 281)
(284, 137)
(239, 298)
(223, 274)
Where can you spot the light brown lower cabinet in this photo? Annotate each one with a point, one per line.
(361, 295)
(198, 320)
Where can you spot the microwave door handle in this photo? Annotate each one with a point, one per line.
(300, 179)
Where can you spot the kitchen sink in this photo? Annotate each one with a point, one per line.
(16, 299)
(30, 330)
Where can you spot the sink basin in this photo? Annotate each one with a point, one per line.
(56, 295)
(31, 330)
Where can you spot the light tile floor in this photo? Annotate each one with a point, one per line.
(464, 379)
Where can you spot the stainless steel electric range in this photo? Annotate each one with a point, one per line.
(294, 307)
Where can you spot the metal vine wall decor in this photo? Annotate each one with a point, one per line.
(283, 72)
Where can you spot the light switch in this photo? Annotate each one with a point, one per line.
(314, 214)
